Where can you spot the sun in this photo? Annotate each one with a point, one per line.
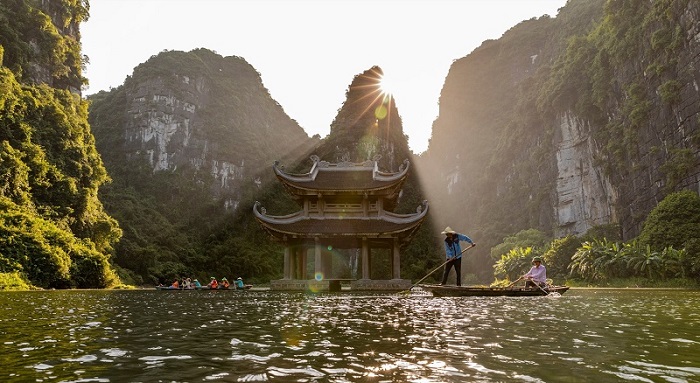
(386, 86)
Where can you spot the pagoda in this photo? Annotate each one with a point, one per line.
(346, 208)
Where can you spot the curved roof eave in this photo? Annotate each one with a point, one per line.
(297, 224)
(322, 166)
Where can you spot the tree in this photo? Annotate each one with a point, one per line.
(525, 238)
(513, 264)
(558, 257)
(673, 222)
(593, 259)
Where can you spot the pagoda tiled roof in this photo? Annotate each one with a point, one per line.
(299, 225)
(342, 177)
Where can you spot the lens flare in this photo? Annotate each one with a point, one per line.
(381, 112)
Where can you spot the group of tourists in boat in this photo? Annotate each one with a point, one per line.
(214, 284)
(535, 279)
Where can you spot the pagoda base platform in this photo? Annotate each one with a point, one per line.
(334, 285)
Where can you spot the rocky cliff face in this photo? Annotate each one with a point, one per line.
(567, 123)
(584, 194)
(197, 112)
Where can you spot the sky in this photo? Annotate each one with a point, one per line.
(308, 52)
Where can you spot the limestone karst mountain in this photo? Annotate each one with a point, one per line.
(184, 139)
(368, 124)
(195, 111)
(191, 135)
(564, 124)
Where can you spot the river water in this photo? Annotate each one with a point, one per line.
(262, 336)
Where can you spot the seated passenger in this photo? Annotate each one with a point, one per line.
(239, 284)
(224, 283)
(537, 276)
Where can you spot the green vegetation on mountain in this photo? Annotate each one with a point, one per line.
(41, 41)
(615, 78)
(54, 231)
(190, 215)
(189, 138)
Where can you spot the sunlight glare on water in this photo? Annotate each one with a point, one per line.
(262, 336)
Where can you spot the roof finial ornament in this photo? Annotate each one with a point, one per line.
(314, 158)
(345, 161)
(377, 157)
(403, 165)
(422, 206)
(258, 205)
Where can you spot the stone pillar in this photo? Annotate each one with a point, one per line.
(302, 263)
(365, 259)
(288, 263)
(396, 260)
(318, 257)
(297, 262)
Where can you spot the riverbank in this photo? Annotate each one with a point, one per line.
(15, 282)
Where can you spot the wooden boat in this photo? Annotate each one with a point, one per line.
(246, 287)
(231, 287)
(481, 291)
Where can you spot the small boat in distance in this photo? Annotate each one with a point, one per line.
(231, 287)
(481, 291)
(170, 288)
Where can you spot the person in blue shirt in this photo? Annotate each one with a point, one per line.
(453, 251)
(239, 284)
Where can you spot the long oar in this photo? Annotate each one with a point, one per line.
(514, 282)
(434, 270)
(540, 287)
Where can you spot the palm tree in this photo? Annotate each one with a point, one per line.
(672, 262)
(593, 259)
(644, 261)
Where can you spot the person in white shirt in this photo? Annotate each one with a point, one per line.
(537, 276)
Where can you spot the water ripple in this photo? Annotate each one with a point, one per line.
(597, 335)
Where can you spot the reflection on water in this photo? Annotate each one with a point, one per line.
(260, 336)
